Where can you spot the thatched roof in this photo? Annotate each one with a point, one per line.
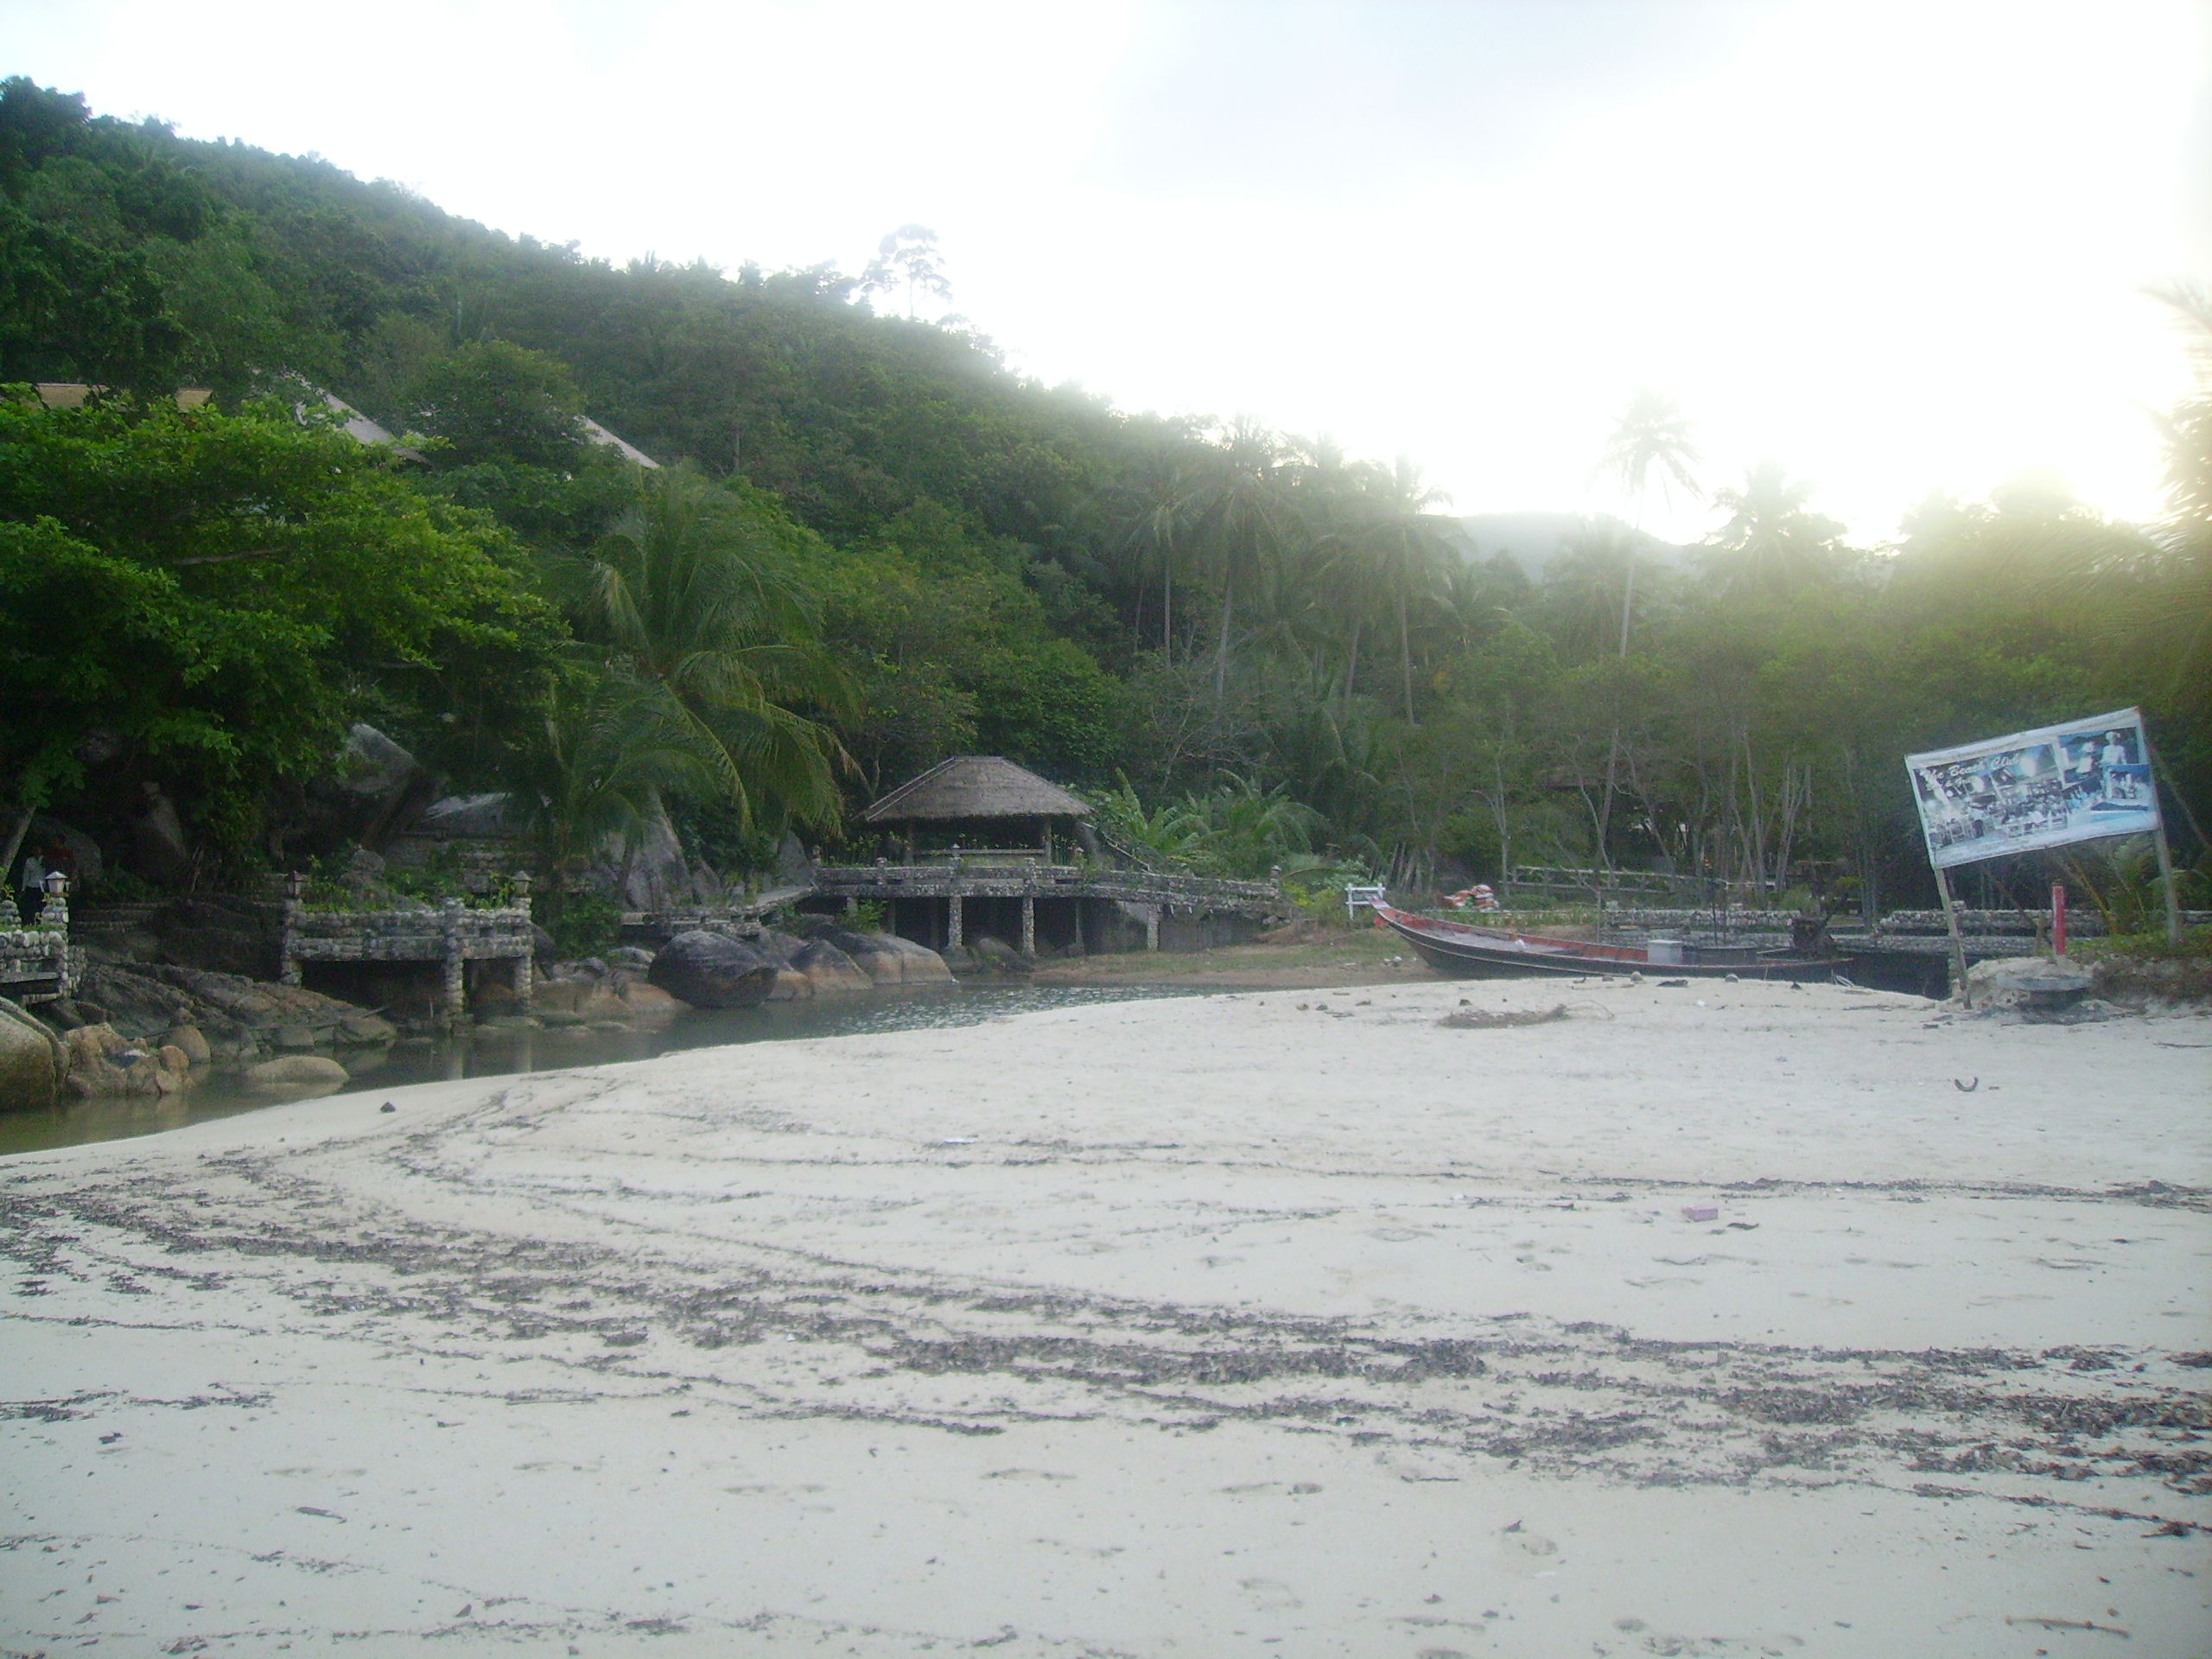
(974, 787)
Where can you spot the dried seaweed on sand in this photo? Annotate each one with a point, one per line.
(1485, 1018)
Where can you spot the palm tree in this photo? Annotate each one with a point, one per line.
(1149, 516)
(1585, 585)
(603, 750)
(2183, 620)
(688, 596)
(1407, 546)
(1770, 543)
(1652, 436)
(1237, 511)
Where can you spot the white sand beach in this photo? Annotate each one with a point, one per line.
(1221, 1326)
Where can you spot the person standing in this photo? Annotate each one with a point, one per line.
(30, 896)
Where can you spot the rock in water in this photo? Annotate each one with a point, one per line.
(828, 969)
(712, 970)
(296, 1071)
(791, 985)
(886, 959)
(192, 1041)
(33, 1061)
(917, 964)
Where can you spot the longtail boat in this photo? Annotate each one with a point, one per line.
(1462, 951)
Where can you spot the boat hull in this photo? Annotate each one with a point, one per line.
(1461, 952)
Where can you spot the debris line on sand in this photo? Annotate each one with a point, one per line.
(1484, 1019)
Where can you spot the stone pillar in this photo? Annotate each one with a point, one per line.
(525, 981)
(1028, 926)
(288, 964)
(952, 939)
(1152, 928)
(455, 966)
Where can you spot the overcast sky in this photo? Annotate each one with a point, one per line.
(1899, 248)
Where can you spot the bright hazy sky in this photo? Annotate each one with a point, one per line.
(1897, 247)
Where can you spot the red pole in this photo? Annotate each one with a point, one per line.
(2058, 919)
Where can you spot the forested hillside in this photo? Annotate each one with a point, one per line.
(872, 544)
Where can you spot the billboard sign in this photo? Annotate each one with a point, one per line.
(2082, 781)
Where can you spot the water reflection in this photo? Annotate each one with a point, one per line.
(501, 1052)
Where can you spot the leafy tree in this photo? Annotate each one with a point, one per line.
(907, 258)
(197, 600)
(497, 403)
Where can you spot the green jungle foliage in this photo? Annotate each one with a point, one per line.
(872, 545)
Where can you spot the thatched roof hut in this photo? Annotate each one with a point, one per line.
(978, 800)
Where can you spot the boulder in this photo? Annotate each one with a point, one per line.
(191, 1042)
(33, 1061)
(917, 964)
(712, 970)
(776, 947)
(827, 968)
(997, 956)
(632, 957)
(102, 1061)
(643, 1000)
(365, 1028)
(379, 789)
(791, 985)
(467, 817)
(294, 1071)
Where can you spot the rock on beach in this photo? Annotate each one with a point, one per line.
(712, 970)
(33, 1061)
(296, 1071)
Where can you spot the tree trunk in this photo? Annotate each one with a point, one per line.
(1405, 657)
(1167, 605)
(1221, 656)
(14, 845)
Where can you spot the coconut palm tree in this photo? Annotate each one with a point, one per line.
(1236, 512)
(601, 752)
(1407, 545)
(1770, 543)
(1651, 439)
(687, 596)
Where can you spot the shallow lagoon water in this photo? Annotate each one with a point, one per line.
(500, 1053)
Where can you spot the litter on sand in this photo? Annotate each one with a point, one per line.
(1701, 1212)
(1484, 1019)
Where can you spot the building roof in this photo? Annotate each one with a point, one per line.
(599, 435)
(974, 787)
(72, 394)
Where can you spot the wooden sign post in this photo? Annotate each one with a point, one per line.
(1958, 945)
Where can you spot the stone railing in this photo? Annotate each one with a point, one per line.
(36, 964)
(452, 936)
(989, 878)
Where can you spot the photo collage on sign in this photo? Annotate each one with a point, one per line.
(2077, 782)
